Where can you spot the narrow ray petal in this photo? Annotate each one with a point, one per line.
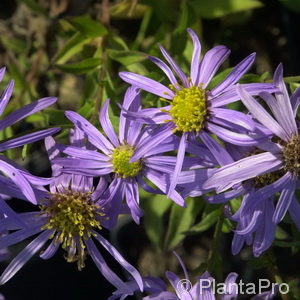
(147, 84)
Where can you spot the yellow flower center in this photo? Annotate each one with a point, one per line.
(188, 109)
(72, 215)
(266, 179)
(120, 161)
(291, 155)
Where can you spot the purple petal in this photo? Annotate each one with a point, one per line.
(104, 269)
(235, 117)
(275, 108)
(295, 101)
(132, 199)
(93, 134)
(284, 102)
(10, 213)
(169, 144)
(148, 188)
(118, 257)
(21, 259)
(195, 63)
(6, 95)
(19, 235)
(235, 138)
(51, 148)
(7, 187)
(175, 282)
(27, 139)
(265, 234)
(162, 183)
(26, 111)
(148, 115)
(165, 69)
(261, 114)
(251, 225)
(51, 249)
(18, 178)
(152, 141)
(147, 84)
(284, 201)
(224, 197)
(175, 67)
(221, 155)
(211, 63)
(82, 164)
(83, 153)
(179, 162)
(244, 169)
(132, 101)
(266, 192)
(231, 95)
(2, 73)
(238, 71)
(106, 124)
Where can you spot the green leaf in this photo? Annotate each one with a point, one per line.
(87, 26)
(154, 207)
(56, 116)
(25, 151)
(209, 219)
(34, 6)
(73, 46)
(260, 262)
(293, 5)
(86, 110)
(84, 66)
(126, 57)
(181, 219)
(227, 226)
(281, 234)
(218, 78)
(37, 117)
(216, 8)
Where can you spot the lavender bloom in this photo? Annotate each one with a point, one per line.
(204, 288)
(193, 107)
(132, 155)
(72, 215)
(280, 160)
(6, 166)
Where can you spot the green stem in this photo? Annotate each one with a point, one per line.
(275, 271)
(214, 251)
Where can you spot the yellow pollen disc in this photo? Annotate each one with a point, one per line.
(73, 216)
(188, 109)
(266, 179)
(120, 161)
(291, 155)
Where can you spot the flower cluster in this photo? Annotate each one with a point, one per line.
(192, 146)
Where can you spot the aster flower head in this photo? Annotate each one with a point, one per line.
(6, 166)
(131, 156)
(156, 289)
(71, 215)
(195, 108)
(278, 163)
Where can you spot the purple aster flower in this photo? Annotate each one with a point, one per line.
(135, 154)
(71, 215)
(280, 161)
(204, 288)
(6, 166)
(194, 107)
